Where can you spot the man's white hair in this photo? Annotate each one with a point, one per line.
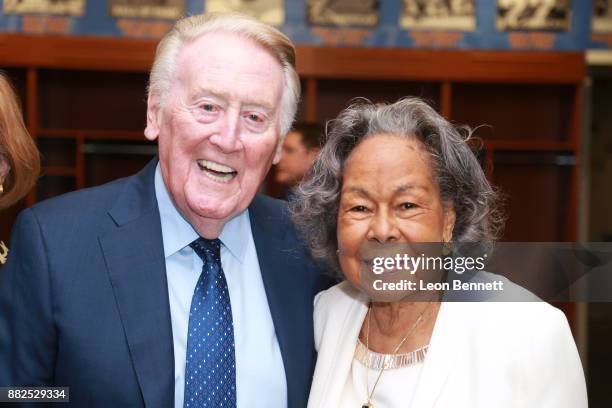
(191, 28)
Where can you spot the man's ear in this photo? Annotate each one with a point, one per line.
(153, 117)
(279, 151)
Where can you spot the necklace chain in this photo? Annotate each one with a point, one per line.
(412, 328)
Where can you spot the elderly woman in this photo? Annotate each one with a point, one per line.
(401, 174)
(19, 160)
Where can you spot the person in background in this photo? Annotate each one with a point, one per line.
(177, 286)
(19, 158)
(401, 174)
(300, 148)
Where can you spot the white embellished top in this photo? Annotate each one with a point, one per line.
(396, 386)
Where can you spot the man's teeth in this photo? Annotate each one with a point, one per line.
(219, 168)
(224, 178)
(216, 171)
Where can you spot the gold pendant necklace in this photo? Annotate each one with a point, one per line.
(370, 394)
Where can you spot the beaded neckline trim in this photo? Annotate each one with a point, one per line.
(377, 361)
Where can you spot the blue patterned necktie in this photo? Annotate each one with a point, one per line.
(210, 369)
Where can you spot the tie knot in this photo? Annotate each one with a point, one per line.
(209, 250)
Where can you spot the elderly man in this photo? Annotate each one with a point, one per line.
(178, 285)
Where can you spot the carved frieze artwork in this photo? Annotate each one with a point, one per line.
(62, 7)
(438, 15)
(343, 13)
(602, 16)
(268, 11)
(157, 9)
(547, 15)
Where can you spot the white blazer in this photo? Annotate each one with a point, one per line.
(481, 354)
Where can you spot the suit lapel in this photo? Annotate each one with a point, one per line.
(135, 260)
(274, 263)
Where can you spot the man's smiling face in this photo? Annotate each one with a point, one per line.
(218, 128)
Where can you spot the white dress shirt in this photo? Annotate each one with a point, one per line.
(260, 374)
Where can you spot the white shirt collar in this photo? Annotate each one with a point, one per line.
(177, 233)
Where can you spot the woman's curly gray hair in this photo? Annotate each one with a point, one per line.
(461, 180)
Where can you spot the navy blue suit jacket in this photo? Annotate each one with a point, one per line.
(84, 298)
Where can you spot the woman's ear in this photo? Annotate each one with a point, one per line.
(153, 117)
(449, 223)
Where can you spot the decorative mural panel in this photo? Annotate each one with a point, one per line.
(552, 15)
(561, 25)
(439, 14)
(343, 13)
(268, 11)
(162, 9)
(65, 7)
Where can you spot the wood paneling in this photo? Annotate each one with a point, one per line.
(120, 54)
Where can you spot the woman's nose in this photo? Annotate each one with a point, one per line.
(383, 228)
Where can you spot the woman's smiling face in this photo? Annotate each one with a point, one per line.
(389, 195)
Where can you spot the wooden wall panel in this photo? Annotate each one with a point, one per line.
(92, 100)
(515, 111)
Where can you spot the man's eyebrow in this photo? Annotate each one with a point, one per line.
(199, 92)
(259, 104)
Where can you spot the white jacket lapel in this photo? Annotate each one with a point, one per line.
(337, 349)
(447, 340)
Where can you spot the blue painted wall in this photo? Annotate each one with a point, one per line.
(97, 22)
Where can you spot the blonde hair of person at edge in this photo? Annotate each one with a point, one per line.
(402, 174)
(19, 158)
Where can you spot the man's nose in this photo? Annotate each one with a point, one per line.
(227, 139)
(383, 228)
